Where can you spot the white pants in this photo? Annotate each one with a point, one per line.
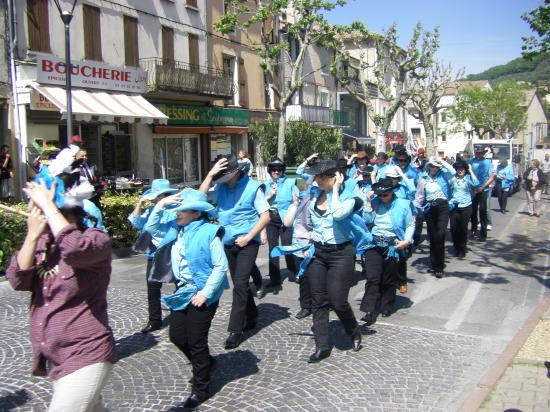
(533, 201)
(80, 391)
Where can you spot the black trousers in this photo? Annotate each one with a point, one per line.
(418, 223)
(275, 231)
(502, 196)
(153, 296)
(189, 332)
(460, 217)
(241, 261)
(437, 219)
(382, 280)
(305, 290)
(402, 268)
(479, 203)
(330, 276)
(256, 277)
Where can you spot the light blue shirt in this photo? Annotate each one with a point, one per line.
(482, 168)
(260, 204)
(213, 288)
(301, 171)
(324, 230)
(362, 189)
(91, 209)
(153, 223)
(382, 222)
(432, 189)
(381, 171)
(462, 194)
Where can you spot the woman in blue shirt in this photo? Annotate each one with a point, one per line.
(330, 273)
(243, 212)
(199, 266)
(279, 194)
(432, 199)
(462, 187)
(392, 228)
(147, 243)
(505, 178)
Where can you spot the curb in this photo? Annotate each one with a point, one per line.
(487, 383)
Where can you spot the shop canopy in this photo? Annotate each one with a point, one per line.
(102, 106)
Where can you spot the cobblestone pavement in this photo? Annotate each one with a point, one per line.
(525, 385)
(399, 368)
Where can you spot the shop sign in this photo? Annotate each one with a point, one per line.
(203, 116)
(39, 102)
(89, 74)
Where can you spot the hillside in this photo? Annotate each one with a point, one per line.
(535, 71)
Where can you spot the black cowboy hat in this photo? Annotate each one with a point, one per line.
(382, 186)
(460, 165)
(233, 167)
(327, 167)
(274, 164)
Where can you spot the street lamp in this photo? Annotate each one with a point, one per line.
(66, 17)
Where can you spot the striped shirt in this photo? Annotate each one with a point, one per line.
(68, 311)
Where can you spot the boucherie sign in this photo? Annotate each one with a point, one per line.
(88, 74)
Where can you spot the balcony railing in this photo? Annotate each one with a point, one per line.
(321, 115)
(171, 75)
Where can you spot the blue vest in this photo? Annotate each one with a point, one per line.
(197, 237)
(236, 211)
(443, 183)
(283, 198)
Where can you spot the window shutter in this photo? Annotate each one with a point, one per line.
(92, 33)
(192, 3)
(167, 44)
(243, 89)
(131, 50)
(38, 25)
(193, 50)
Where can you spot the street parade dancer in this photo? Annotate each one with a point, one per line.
(67, 267)
(147, 242)
(432, 199)
(191, 255)
(504, 176)
(279, 194)
(483, 169)
(331, 257)
(390, 221)
(463, 186)
(243, 212)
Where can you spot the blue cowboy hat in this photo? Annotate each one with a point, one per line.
(195, 200)
(159, 187)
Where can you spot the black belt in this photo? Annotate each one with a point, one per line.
(383, 241)
(438, 202)
(331, 246)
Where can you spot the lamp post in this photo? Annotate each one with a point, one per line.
(66, 17)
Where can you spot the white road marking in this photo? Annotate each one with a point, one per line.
(466, 302)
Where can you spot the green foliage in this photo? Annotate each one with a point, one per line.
(116, 209)
(535, 70)
(13, 229)
(301, 138)
(500, 111)
(539, 22)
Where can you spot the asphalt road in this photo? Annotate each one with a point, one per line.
(428, 356)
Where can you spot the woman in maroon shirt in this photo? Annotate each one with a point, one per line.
(67, 268)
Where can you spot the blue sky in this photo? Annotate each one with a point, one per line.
(475, 34)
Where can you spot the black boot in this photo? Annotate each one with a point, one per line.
(319, 355)
(356, 339)
(152, 326)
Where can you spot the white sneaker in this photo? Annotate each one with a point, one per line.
(479, 225)
(489, 227)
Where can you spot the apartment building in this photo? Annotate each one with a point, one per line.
(143, 85)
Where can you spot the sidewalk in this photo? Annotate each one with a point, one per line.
(525, 383)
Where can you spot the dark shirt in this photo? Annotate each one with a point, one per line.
(68, 311)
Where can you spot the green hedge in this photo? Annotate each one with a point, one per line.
(116, 209)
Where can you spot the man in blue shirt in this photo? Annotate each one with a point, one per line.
(483, 169)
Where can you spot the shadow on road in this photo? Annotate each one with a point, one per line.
(14, 400)
(268, 313)
(233, 365)
(135, 343)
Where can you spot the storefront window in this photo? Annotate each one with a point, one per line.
(222, 145)
(177, 159)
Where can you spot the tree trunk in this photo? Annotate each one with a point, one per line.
(430, 144)
(380, 141)
(281, 135)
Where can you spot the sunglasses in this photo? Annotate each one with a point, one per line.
(402, 160)
(386, 194)
(276, 170)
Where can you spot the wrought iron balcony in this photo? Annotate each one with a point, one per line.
(320, 114)
(172, 75)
